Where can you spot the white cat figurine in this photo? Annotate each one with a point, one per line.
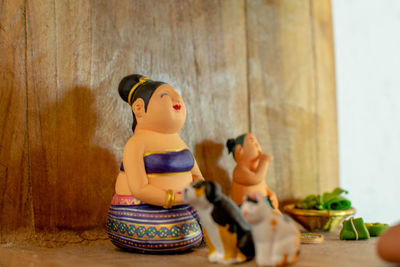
(275, 236)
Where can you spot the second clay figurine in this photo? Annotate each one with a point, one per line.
(251, 169)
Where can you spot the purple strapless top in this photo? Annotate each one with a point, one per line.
(167, 162)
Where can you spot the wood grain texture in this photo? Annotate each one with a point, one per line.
(292, 98)
(328, 164)
(15, 188)
(72, 177)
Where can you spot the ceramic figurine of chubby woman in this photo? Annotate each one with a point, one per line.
(251, 169)
(148, 213)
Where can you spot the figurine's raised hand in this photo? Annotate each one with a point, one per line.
(266, 157)
(264, 161)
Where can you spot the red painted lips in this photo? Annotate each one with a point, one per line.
(177, 107)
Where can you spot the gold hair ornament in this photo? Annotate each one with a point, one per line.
(141, 81)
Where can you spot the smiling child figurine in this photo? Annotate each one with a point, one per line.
(148, 213)
(251, 169)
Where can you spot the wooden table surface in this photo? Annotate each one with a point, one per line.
(332, 252)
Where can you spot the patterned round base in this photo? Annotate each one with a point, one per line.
(147, 228)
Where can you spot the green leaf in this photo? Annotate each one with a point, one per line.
(326, 200)
(326, 197)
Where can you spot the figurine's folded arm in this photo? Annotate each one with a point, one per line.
(137, 179)
(262, 168)
(244, 176)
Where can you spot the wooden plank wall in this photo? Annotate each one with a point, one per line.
(292, 93)
(16, 209)
(260, 66)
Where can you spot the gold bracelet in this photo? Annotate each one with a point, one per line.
(170, 199)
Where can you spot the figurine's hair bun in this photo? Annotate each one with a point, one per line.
(126, 84)
(230, 144)
(136, 86)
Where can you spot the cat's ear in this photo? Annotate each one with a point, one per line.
(255, 196)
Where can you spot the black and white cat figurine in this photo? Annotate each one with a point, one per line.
(227, 235)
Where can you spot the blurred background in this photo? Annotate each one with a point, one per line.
(367, 58)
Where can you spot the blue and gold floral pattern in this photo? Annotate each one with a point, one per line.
(142, 232)
(153, 229)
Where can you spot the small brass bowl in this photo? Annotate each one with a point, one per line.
(318, 220)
